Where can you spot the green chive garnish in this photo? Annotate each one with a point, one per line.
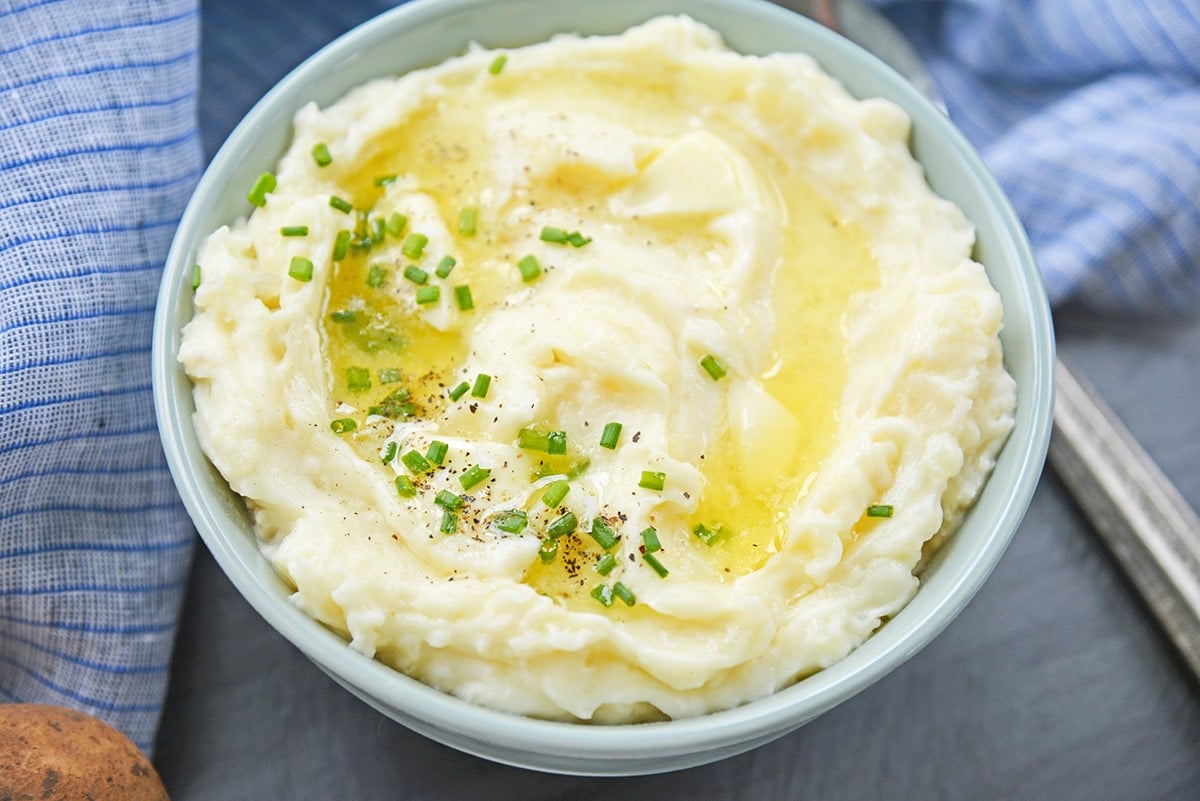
(196, 277)
(482, 382)
(603, 534)
(459, 391)
(428, 294)
(384, 180)
(512, 521)
(344, 316)
(606, 564)
(612, 433)
(880, 510)
(445, 266)
(653, 481)
(416, 463)
(650, 539)
(437, 452)
(712, 367)
(358, 379)
(473, 476)
(294, 230)
(707, 535)
(497, 64)
(449, 522)
(555, 492)
(656, 565)
(405, 487)
(624, 593)
(378, 229)
(556, 442)
(414, 245)
(555, 235)
(341, 244)
(301, 269)
(577, 240)
(262, 187)
(548, 550)
(448, 500)
(462, 294)
(602, 593)
(530, 439)
(530, 269)
(320, 154)
(468, 218)
(390, 375)
(415, 274)
(343, 425)
(376, 275)
(344, 206)
(389, 453)
(396, 223)
(562, 526)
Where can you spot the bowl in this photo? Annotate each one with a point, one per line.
(425, 32)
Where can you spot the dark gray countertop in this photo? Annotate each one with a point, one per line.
(1053, 683)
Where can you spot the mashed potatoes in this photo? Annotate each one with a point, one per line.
(604, 379)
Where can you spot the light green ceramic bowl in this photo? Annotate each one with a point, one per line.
(425, 32)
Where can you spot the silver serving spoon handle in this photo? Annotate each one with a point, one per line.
(1141, 517)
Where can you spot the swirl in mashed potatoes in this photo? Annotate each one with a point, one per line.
(609, 378)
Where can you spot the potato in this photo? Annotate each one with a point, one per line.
(49, 752)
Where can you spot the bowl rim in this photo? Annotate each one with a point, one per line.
(572, 747)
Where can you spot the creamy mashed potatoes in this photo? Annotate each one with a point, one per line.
(604, 379)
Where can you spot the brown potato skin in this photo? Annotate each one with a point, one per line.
(50, 753)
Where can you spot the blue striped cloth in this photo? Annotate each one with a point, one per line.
(1087, 110)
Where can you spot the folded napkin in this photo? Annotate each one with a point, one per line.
(1087, 111)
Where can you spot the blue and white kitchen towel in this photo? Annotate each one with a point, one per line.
(1088, 111)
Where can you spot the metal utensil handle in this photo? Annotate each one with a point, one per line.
(1147, 525)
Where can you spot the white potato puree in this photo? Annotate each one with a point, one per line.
(740, 207)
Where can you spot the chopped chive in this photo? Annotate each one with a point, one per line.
(555, 492)
(548, 550)
(449, 522)
(343, 425)
(397, 405)
(650, 539)
(707, 535)
(344, 206)
(390, 375)
(416, 274)
(531, 439)
(577, 240)
(344, 316)
(606, 564)
(320, 154)
(378, 229)
(301, 269)
(448, 500)
(437, 451)
(396, 223)
(264, 185)
(602, 593)
(555, 235)
(294, 230)
(445, 266)
(196, 277)
(653, 481)
(468, 219)
(459, 391)
(473, 476)
(341, 244)
(358, 379)
(562, 526)
(512, 521)
(384, 180)
(530, 269)
(612, 433)
(624, 593)
(497, 64)
(389, 453)
(414, 245)
(405, 487)
(428, 294)
(603, 534)
(556, 442)
(656, 565)
(376, 275)
(416, 463)
(482, 382)
(713, 367)
(462, 294)
(880, 510)
(577, 467)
